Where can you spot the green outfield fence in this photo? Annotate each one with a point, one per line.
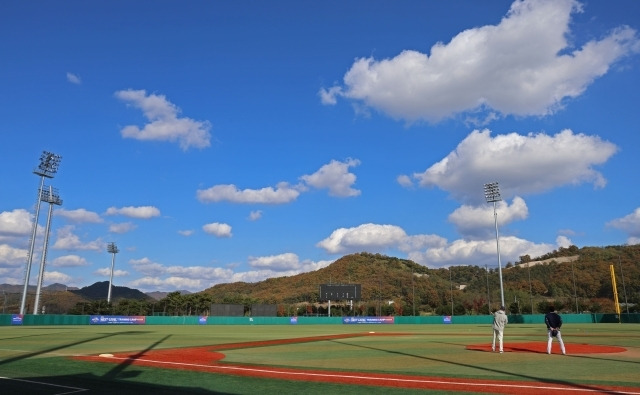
(55, 319)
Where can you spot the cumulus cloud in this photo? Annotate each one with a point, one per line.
(67, 240)
(479, 252)
(283, 193)
(11, 256)
(629, 224)
(373, 238)
(218, 229)
(78, 216)
(287, 261)
(106, 272)
(74, 79)
(122, 227)
(69, 261)
(479, 220)
(186, 233)
(335, 177)
(522, 164)
(56, 277)
(15, 223)
(164, 122)
(255, 215)
(142, 212)
(522, 66)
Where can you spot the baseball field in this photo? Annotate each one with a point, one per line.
(316, 359)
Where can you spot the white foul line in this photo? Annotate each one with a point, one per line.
(373, 378)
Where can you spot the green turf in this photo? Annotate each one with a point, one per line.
(41, 355)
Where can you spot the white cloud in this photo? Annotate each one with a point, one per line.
(255, 215)
(479, 252)
(629, 224)
(56, 277)
(122, 227)
(404, 181)
(521, 164)
(164, 125)
(335, 177)
(186, 233)
(78, 215)
(218, 193)
(287, 261)
(218, 229)
(12, 257)
(67, 240)
(15, 223)
(69, 261)
(142, 212)
(522, 66)
(480, 221)
(74, 79)
(366, 237)
(106, 272)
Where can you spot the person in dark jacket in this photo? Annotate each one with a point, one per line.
(554, 323)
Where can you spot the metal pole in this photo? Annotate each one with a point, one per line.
(111, 247)
(623, 287)
(575, 294)
(488, 295)
(495, 216)
(451, 282)
(50, 199)
(34, 230)
(530, 287)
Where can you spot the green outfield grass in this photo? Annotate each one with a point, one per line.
(32, 358)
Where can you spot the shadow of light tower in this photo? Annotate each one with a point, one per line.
(492, 194)
(49, 163)
(51, 196)
(113, 250)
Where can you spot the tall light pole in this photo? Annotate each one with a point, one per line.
(52, 198)
(49, 163)
(113, 250)
(492, 195)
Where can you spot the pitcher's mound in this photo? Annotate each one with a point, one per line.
(541, 347)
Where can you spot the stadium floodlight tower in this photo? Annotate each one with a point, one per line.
(113, 250)
(51, 196)
(492, 195)
(49, 163)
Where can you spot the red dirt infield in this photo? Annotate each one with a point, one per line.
(206, 359)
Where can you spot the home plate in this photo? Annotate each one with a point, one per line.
(106, 355)
(371, 332)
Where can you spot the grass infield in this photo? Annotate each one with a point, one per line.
(316, 359)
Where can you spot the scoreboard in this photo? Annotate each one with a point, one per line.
(340, 292)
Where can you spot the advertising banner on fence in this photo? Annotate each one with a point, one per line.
(446, 319)
(202, 320)
(117, 319)
(16, 319)
(368, 320)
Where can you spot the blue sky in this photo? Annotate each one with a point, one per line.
(217, 142)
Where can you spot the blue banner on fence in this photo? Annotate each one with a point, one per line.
(202, 320)
(16, 319)
(368, 320)
(446, 319)
(117, 320)
(293, 320)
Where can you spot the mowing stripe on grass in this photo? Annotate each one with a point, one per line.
(491, 386)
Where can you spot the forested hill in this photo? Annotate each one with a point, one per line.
(585, 281)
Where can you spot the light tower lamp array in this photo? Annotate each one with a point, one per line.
(113, 250)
